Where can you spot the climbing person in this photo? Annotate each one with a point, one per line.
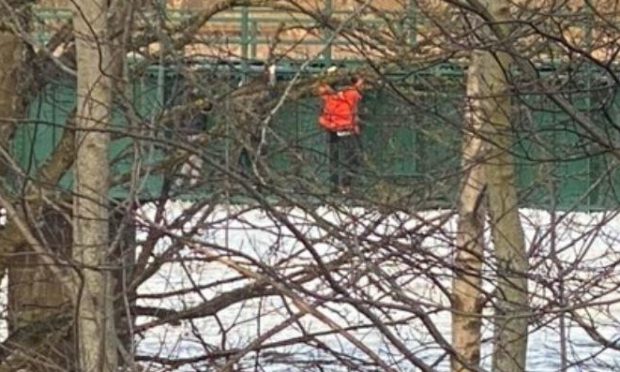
(252, 115)
(189, 124)
(339, 118)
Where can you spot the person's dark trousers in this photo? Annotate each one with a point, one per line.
(332, 152)
(344, 159)
(350, 159)
(245, 160)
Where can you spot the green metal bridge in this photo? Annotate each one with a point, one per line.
(411, 135)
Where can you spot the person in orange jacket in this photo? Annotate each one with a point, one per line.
(339, 118)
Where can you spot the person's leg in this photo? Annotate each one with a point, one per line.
(182, 175)
(250, 139)
(195, 169)
(244, 162)
(195, 162)
(356, 157)
(190, 169)
(332, 153)
(347, 144)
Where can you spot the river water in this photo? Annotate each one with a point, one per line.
(585, 245)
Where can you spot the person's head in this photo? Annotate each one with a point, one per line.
(357, 82)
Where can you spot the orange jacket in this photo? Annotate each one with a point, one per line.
(340, 110)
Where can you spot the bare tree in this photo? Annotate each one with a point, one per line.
(491, 170)
(97, 346)
(467, 293)
(244, 259)
(36, 295)
(512, 303)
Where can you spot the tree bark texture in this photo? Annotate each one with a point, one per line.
(35, 294)
(466, 286)
(36, 298)
(11, 51)
(11, 104)
(11, 108)
(511, 294)
(91, 246)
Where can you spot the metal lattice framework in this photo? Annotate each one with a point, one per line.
(411, 134)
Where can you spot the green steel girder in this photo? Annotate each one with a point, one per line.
(414, 143)
(410, 145)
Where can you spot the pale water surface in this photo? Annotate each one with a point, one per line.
(256, 235)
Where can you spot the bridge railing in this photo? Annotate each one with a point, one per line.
(413, 142)
(251, 33)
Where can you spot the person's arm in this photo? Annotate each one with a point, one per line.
(325, 89)
(353, 97)
(359, 84)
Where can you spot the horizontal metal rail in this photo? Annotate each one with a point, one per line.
(244, 27)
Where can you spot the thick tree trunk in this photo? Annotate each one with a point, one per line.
(40, 306)
(511, 295)
(11, 104)
(91, 248)
(37, 297)
(489, 120)
(34, 296)
(11, 53)
(466, 286)
(510, 299)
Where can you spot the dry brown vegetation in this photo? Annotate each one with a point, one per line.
(263, 264)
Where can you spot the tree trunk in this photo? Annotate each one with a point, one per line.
(34, 296)
(511, 298)
(11, 52)
(40, 307)
(37, 297)
(91, 249)
(11, 104)
(489, 159)
(466, 286)
(37, 300)
(511, 295)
